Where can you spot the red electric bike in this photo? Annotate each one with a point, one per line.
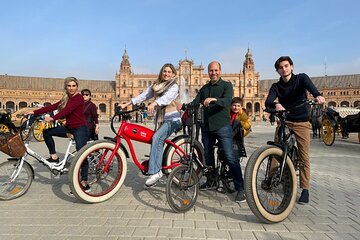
(107, 159)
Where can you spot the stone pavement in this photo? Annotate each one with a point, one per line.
(47, 211)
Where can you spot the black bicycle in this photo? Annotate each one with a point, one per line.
(270, 173)
(182, 188)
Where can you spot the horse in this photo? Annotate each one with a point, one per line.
(315, 120)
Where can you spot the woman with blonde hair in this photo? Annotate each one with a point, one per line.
(165, 91)
(70, 107)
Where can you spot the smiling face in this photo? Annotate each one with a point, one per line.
(214, 71)
(167, 74)
(71, 88)
(236, 107)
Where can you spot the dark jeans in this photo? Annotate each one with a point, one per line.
(80, 137)
(225, 139)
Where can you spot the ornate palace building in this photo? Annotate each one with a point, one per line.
(17, 92)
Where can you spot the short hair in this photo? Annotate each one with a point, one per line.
(85, 91)
(215, 62)
(237, 100)
(281, 59)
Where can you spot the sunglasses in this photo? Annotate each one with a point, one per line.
(86, 94)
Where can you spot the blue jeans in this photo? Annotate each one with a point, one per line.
(156, 152)
(225, 139)
(80, 136)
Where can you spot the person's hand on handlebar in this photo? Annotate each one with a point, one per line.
(320, 99)
(124, 105)
(151, 107)
(279, 107)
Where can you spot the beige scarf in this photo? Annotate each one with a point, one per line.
(159, 89)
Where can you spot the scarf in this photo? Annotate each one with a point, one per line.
(159, 89)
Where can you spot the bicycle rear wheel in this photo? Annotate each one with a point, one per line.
(270, 198)
(15, 180)
(103, 183)
(182, 188)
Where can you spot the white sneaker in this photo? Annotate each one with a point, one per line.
(153, 178)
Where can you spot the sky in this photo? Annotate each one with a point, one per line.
(87, 38)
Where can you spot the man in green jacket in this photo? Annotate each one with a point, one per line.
(216, 98)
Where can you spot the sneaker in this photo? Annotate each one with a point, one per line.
(208, 185)
(304, 197)
(50, 159)
(153, 178)
(87, 188)
(240, 197)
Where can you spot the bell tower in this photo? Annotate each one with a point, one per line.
(123, 76)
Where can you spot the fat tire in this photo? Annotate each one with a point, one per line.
(92, 152)
(252, 186)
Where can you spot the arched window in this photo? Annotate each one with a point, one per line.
(344, 104)
(10, 105)
(22, 105)
(332, 104)
(102, 107)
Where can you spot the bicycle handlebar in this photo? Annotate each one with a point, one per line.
(307, 102)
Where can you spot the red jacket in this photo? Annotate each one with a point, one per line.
(73, 111)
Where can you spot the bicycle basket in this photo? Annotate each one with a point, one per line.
(12, 145)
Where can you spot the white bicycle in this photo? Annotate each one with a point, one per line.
(16, 174)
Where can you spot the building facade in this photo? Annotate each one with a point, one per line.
(17, 92)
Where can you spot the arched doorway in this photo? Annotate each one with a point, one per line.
(332, 104)
(249, 108)
(344, 104)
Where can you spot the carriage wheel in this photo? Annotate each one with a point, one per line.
(327, 132)
(4, 128)
(38, 129)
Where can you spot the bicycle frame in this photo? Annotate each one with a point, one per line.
(286, 142)
(55, 168)
(134, 132)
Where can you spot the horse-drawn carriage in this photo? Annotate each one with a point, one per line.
(343, 120)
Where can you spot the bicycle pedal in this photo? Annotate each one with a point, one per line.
(221, 190)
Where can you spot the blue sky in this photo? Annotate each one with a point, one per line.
(86, 38)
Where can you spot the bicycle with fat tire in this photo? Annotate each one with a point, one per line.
(270, 173)
(107, 158)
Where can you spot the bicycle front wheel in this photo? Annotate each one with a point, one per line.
(182, 188)
(270, 197)
(173, 155)
(103, 183)
(15, 180)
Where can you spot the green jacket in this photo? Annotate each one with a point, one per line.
(217, 114)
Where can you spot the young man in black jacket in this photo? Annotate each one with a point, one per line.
(291, 91)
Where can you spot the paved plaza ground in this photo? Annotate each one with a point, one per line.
(48, 211)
